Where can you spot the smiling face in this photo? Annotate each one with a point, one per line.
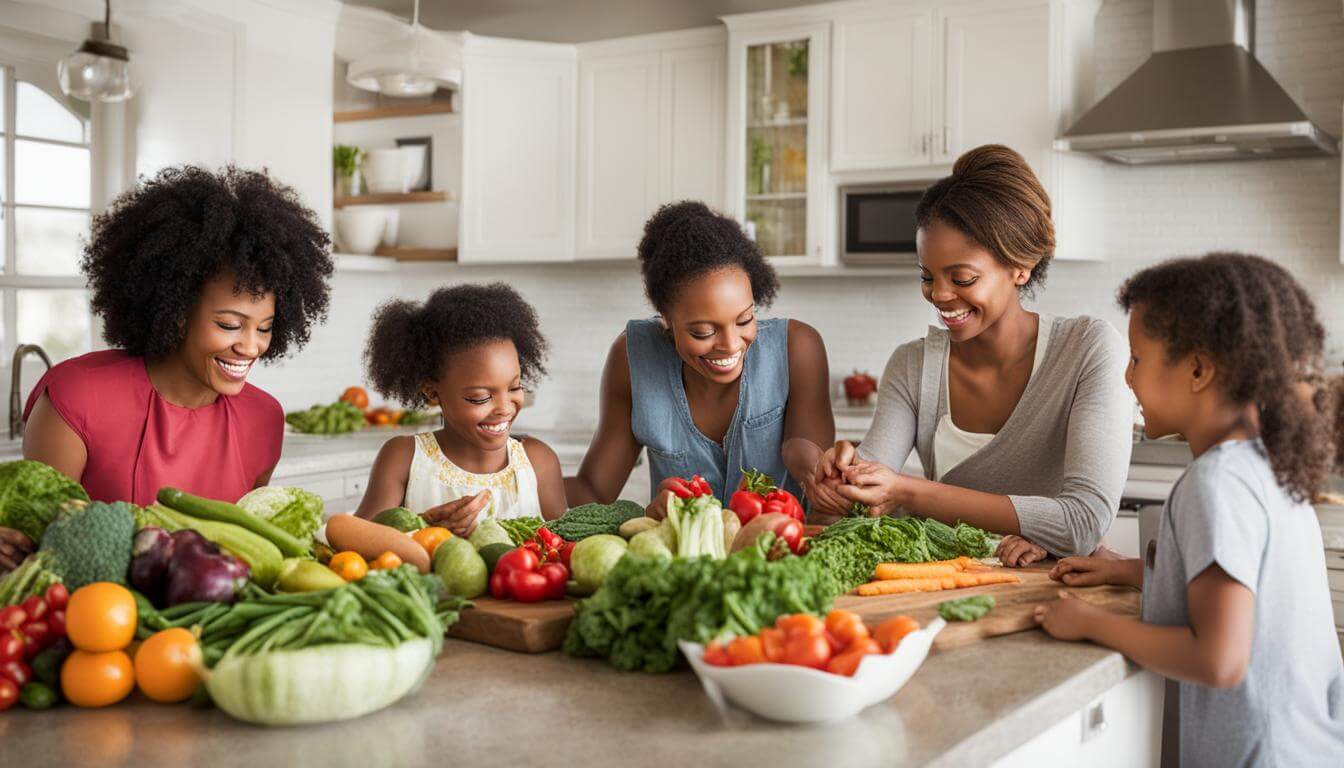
(480, 390)
(712, 322)
(969, 286)
(1163, 387)
(226, 333)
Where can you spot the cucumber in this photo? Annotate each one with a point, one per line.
(224, 512)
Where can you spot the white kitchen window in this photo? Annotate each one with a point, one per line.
(45, 199)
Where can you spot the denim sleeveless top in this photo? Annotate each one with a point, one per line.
(660, 415)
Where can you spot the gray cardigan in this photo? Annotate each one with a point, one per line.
(1063, 455)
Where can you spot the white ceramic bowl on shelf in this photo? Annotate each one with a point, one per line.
(385, 171)
(359, 229)
(794, 694)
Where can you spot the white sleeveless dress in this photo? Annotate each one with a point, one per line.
(435, 480)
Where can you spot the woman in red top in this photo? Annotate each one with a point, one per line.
(196, 276)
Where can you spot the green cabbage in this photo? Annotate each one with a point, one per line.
(31, 494)
(294, 510)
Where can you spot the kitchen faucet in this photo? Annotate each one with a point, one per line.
(15, 412)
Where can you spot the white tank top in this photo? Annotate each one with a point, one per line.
(435, 480)
(952, 444)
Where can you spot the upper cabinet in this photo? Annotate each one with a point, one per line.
(518, 151)
(777, 127)
(650, 132)
(882, 90)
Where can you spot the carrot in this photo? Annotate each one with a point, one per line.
(935, 568)
(935, 583)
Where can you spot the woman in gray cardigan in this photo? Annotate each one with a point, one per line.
(1021, 421)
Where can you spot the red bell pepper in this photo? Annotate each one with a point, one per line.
(785, 503)
(749, 500)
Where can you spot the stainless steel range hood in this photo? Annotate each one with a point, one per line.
(1201, 96)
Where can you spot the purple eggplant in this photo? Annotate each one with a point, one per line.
(199, 571)
(151, 551)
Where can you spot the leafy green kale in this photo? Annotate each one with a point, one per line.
(852, 548)
(967, 608)
(31, 495)
(592, 519)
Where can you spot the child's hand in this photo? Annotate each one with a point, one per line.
(1017, 552)
(459, 515)
(833, 462)
(1083, 571)
(1067, 618)
(873, 484)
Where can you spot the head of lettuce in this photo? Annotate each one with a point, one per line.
(31, 495)
(296, 511)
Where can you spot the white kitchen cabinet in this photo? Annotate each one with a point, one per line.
(881, 109)
(1121, 728)
(518, 151)
(777, 156)
(650, 132)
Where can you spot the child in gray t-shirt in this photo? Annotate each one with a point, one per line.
(1226, 351)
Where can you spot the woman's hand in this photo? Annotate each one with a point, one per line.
(872, 484)
(831, 466)
(459, 515)
(14, 547)
(657, 509)
(1068, 618)
(1017, 552)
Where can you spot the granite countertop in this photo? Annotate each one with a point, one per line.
(484, 706)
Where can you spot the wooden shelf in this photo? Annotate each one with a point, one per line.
(418, 254)
(394, 110)
(394, 198)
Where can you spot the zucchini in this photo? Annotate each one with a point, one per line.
(224, 512)
(261, 556)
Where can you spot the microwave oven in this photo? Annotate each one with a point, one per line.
(877, 224)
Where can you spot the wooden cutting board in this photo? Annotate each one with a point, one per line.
(523, 627)
(1014, 605)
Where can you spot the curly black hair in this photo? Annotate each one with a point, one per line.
(154, 248)
(1261, 329)
(410, 340)
(685, 240)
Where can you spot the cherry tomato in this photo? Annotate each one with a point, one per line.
(349, 566)
(864, 645)
(566, 550)
(801, 624)
(12, 617)
(772, 642)
(17, 671)
(56, 624)
(717, 655)
(889, 633)
(35, 607)
(11, 646)
(549, 539)
(9, 693)
(57, 596)
(557, 576)
(846, 626)
(37, 633)
(835, 643)
(807, 651)
(498, 587)
(845, 663)
(746, 650)
(527, 586)
(386, 562)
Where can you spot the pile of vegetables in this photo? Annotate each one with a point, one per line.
(593, 519)
(333, 419)
(836, 645)
(850, 550)
(32, 494)
(645, 605)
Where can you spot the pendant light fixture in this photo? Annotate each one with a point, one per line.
(416, 65)
(100, 70)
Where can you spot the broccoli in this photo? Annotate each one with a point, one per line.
(31, 495)
(91, 542)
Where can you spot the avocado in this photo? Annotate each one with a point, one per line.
(401, 518)
(491, 553)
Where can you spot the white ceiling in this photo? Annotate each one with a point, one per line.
(572, 21)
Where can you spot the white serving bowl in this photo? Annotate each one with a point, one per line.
(385, 171)
(797, 694)
(359, 229)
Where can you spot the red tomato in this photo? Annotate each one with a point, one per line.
(746, 650)
(56, 624)
(12, 617)
(566, 550)
(57, 596)
(747, 505)
(865, 646)
(889, 633)
(36, 631)
(837, 645)
(845, 663)
(16, 671)
(9, 693)
(846, 626)
(11, 646)
(523, 558)
(35, 607)
(557, 576)
(800, 624)
(807, 651)
(526, 586)
(772, 643)
(717, 655)
(550, 540)
(498, 587)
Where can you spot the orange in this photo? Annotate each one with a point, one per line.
(430, 538)
(890, 632)
(101, 617)
(386, 561)
(167, 664)
(349, 566)
(96, 679)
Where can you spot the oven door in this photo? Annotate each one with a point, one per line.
(878, 226)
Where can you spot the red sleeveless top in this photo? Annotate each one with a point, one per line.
(137, 442)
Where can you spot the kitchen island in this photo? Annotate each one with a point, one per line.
(1011, 700)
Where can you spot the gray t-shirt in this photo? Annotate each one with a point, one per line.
(1289, 709)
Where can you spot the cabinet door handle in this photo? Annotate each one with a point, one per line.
(924, 144)
(947, 142)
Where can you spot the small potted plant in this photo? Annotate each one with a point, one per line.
(345, 163)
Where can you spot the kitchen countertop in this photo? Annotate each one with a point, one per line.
(484, 706)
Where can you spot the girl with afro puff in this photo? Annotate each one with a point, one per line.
(707, 387)
(471, 350)
(197, 276)
(1226, 350)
